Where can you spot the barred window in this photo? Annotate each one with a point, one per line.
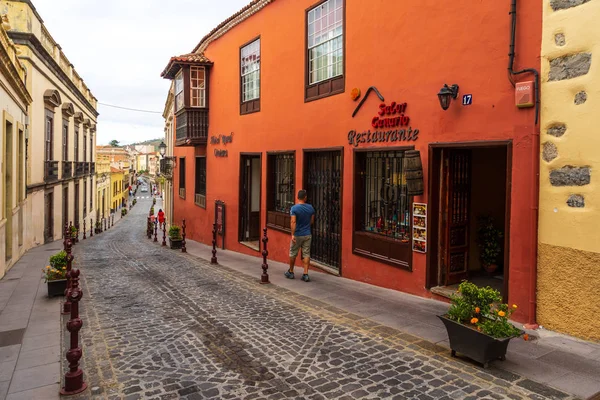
(280, 186)
(250, 69)
(200, 190)
(325, 41)
(197, 87)
(182, 177)
(386, 204)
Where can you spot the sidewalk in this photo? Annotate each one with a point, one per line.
(560, 361)
(29, 330)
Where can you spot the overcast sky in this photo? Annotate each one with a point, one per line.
(120, 47)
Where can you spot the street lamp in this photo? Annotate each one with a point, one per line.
(162, 148)
(446, 95)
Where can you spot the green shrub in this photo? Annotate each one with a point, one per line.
(175, 232)
(59, 259)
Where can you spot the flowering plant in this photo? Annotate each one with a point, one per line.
(58, 267)
(483, 310)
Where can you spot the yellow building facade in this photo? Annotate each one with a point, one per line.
(14, 101)
(103, 192)
(569, 217)
(118, 189)
(60, 169)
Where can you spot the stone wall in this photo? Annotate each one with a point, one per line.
(569, 233)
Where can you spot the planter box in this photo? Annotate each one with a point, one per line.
(175, 243)
(473, 344)
(57, 288)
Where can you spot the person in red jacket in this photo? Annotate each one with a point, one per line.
(161, 216)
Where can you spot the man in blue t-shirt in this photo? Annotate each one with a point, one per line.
(303, 216)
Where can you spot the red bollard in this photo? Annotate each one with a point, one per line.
(91, 227)
(84, 234)
(213, 259)
(148, 228)
(105, 228)
(77, 234)
(74, 378)
(155, 230)
(164, 242)
(68, 245)
(113, 220)
(264, 278)
(183, 249)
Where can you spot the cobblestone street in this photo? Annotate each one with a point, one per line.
(160, 324)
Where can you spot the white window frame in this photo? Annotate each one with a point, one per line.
(250, 71)
(325, 39)
(197, 87)
(179, 91)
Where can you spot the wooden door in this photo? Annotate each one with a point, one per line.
(249, 199)
(49, 217)
(456, 203)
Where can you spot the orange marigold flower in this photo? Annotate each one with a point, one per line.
(501, 313)
(477, 310)
(525, 337)
(479, 329)
(474, 320)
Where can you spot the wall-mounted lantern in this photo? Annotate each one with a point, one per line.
(162, 148)
(446, 94)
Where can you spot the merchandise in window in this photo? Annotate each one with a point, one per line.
(280, 186)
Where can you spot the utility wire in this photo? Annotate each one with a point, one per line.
(130, 109)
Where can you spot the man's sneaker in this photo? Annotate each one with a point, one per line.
(289, 275)
(305, 278)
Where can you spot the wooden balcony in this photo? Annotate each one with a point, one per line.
(86, 168)
(50, 171)
(192, 127)
(92, 168)
(67, 169)
(166, 167)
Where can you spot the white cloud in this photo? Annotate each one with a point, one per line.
(120, 47)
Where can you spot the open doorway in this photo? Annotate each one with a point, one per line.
(469, 195)
(250, 183)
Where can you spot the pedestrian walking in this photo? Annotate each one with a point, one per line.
(161, 217)
(303, 217)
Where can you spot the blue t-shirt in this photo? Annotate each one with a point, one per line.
(303, 214)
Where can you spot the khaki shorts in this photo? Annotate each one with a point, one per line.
(301, 242)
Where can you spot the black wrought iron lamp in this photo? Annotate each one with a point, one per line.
(162, 149)
(446, 94)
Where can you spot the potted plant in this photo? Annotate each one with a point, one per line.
(98, 228)
(123, 212)
(55, 274)
(477, 324)
(489, 240)
(175, 239)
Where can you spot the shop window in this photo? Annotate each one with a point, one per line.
(325, 50)
(281, 169)
(197, 87)
(182, 177)
(382, 207)
(250, 77)
(200, 189)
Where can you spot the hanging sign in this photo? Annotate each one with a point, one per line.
(391, 124)
(216, 140)
(420, 227)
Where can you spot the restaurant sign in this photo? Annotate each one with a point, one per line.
(391, 124)
(216, 140)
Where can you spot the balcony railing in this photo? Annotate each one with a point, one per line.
(192, 127)
(93, 168)
(79, 168)
(166, 167)
(200, 200)
(51, 171)
(86, 168)
(67, 169)
(182, 192)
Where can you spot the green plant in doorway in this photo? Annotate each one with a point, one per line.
(489, 240)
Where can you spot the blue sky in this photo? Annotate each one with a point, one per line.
(120, 47)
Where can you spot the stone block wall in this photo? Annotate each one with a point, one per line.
(569, 215)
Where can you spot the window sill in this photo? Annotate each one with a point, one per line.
(323, 89)
(383, 249)
(250, 107)
(280, 228)
(279, 221)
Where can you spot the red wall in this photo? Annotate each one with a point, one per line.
(408, 50)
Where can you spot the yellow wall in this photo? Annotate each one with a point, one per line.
(569, 234)
(118, 178)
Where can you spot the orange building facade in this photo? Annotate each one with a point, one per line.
(340, 98)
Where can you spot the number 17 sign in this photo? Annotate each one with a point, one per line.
(467, 99)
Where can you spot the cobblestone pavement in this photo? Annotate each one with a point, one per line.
(160, 324)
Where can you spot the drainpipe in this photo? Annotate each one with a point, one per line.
(535, 156)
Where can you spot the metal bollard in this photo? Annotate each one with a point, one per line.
(164, 242)
(77, 232)
(74, 378)
(213, 259)
(113, 220)
(84, 234)
(183, 249)
(91, 227)
(68, 250)
(104, 219)
(155, 230)
(264, 278)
